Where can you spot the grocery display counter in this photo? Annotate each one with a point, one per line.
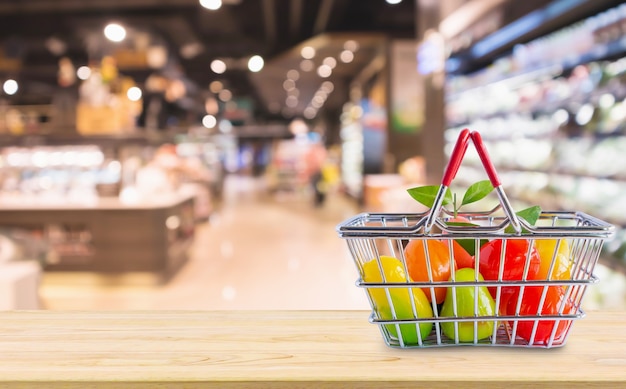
(107, 236)
(283, 349)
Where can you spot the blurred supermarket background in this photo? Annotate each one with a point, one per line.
(159, 154)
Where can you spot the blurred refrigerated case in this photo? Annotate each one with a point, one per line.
(552, 112)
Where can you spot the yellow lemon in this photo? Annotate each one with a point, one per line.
(400, 298)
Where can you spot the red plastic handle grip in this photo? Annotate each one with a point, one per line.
(484, 158)
(459, 152)
(456, 158)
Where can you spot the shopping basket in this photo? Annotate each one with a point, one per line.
(522, 309)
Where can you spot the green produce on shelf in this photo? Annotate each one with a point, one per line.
(470, 301)
(398, 300)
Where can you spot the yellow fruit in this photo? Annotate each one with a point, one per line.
(562, 264)
(400, 298)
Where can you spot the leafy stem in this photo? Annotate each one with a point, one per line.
(426, 195)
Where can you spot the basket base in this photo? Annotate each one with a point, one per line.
(436, 338)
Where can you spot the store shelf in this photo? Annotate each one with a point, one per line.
(113, 238)
(553, 122)
(144, 137)
(519, 78)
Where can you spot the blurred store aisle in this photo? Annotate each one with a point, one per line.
(258, 251)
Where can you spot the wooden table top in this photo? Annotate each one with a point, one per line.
(283, 349)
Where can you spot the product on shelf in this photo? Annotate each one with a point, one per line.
(553, 113)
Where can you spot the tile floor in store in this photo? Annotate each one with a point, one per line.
(258, 251)
(261, 251)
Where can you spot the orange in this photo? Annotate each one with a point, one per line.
(418, 258)
(461, 256)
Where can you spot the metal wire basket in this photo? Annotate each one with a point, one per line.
(524, 308)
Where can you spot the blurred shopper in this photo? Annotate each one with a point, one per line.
(315, 158)
(66, 97)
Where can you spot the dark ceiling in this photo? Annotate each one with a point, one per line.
(36, 33)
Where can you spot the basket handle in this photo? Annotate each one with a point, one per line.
(452, 168)
(456, 158)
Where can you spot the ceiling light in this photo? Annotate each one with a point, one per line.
(306, 65)
(83, 72)
(321, 95)
(218, 66)
(293, 74)
(330, 62)
(209, 121)
(216, 86)
(293, 92)
(255, 63)
(133, 93)
(307, 52)
(225, 95)
(346, 56)
(156, 56)
(291, 101)
(351, 45)
(213, 5)
(10, 87)
(327, 86)
(289, 84)
(317, 103)
(56, 46)
(324, 71)
(393, 2)
(114, 32)
(191, 50)
(310, 113)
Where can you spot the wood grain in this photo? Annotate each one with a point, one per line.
(283, 349)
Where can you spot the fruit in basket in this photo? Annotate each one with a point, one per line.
(562, 269)
(529, 306)
(471, 301)
(463, 248)
(514, 264)
(460, 247)
(461, 257)
(428, 262)
(393, 271)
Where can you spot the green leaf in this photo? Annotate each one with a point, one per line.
(461, 224)
(477, 191)
(531, 215)
(425, 195)
(470, 244)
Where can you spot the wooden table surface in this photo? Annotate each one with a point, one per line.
(283, 349)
